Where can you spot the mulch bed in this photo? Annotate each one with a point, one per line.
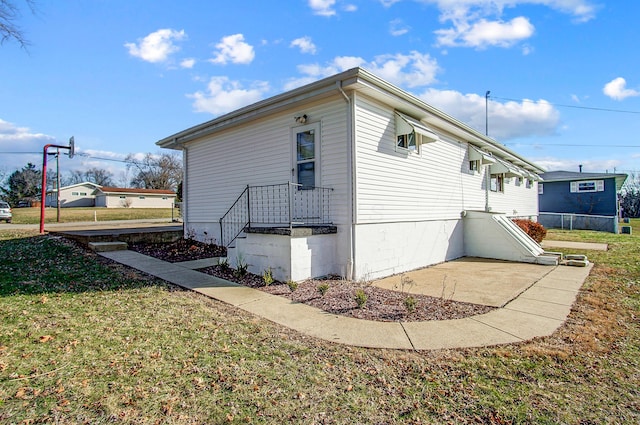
(180, 250)
(339, 298)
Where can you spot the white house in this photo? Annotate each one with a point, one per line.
(119, 197)
(75, 195)
(353, 176)
(94, 195)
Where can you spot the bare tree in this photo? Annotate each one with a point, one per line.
(630, 196)
(160, 171)
(96, 175)
(9, 14)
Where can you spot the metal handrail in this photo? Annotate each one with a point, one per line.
(233, 222)
(287, 204)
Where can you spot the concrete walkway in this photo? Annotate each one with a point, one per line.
(537, 311)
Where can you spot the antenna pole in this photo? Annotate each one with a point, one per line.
(486, 112)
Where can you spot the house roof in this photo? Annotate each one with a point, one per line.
(353, 80)
(558, 176)
(85, 184)
(121, 190)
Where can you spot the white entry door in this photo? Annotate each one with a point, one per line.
(306, 172)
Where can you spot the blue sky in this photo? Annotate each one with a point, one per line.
(118, 75)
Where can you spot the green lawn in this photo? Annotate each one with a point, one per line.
(70, 215)
(86, 341)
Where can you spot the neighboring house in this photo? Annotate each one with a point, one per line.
(353, 176)
(93, 195)
(118, 197)
(576, 200)
(75, 195)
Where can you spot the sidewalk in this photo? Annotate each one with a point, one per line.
(537, 311)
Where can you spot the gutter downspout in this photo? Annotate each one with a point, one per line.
(487, 173)
(183, 207)
(351, 267)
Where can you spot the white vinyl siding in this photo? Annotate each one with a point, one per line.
(258, 153)
(435, 185)
(516, 200)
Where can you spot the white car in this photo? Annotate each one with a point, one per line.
(5, 212)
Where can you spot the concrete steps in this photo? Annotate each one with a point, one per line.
(108, 246)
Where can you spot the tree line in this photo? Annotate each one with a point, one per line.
(153, 171)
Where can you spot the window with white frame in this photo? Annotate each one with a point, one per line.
(540, 188)
(587, 186)
(408, 141)
(411, 133)
(497, 183)
(474, 165)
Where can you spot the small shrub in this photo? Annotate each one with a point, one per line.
(410, 304)
(224, 263)
(361, 298)
(292, 285)
(323, 288)
(535, 230)
(267, 276)
(241, 268)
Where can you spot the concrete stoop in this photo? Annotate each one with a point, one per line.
(108, 246)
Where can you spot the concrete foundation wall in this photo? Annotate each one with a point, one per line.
(384, 249)
(289, 257)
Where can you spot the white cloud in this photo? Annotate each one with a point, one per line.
(483, 33)
(305, 44)
(388, 3)
(327, 7)
(20, 139)
(187, 63)
(157, 46)
(412, 70)
(479, 23)
(550, 163)
(397, 27)
(225, 95)
(234, 49)
(617, 89)
(323, 7)
(506, 120)
(580, 10)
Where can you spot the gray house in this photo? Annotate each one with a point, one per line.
(353, 176)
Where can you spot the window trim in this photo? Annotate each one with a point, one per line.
(575, 186)
(407, 128)
(499, 177)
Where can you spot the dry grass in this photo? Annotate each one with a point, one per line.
(97, 343)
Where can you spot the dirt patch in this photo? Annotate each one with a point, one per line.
(333, 294)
